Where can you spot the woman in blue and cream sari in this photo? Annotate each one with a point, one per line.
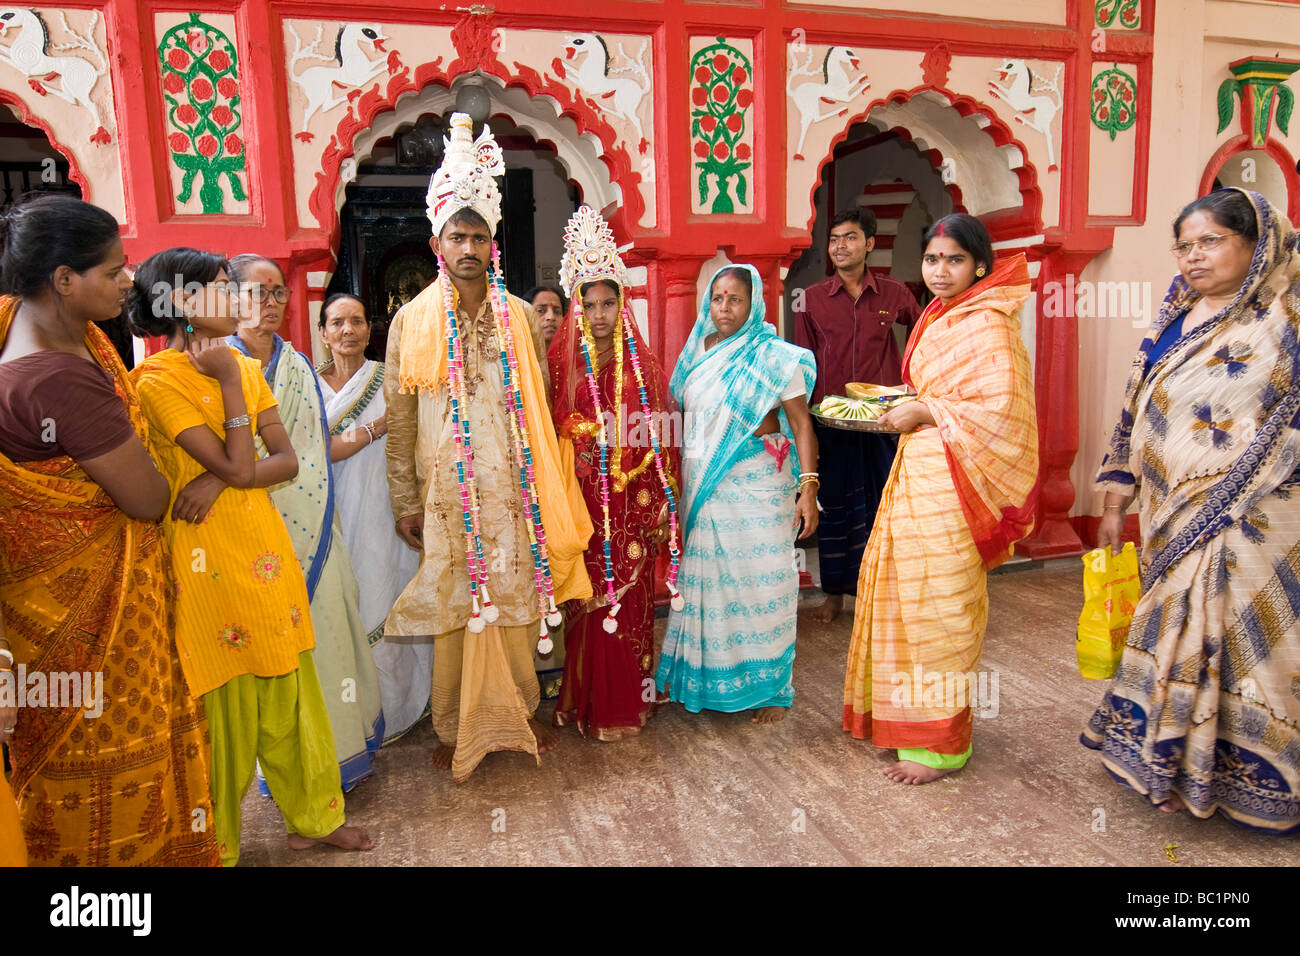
(353, 387)
(1203, 713)
(308, 506)
(744, 393)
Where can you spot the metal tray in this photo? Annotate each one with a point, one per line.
(852, 425)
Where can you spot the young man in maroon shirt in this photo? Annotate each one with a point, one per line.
(847, 320)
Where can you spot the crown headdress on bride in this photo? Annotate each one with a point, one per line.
(590, 253)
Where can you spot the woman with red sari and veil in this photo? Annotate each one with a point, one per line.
(612, 414)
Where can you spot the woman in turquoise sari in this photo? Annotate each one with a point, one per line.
(744, 392)
(343, 659)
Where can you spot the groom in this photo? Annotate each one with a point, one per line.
(460, 355)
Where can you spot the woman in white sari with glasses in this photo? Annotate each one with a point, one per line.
(353, 387)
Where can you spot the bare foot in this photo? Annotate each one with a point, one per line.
(768, 715)
(909, 771)
(1173, 804)
(345, 838)
(663, 698)
(442, 757)
(546, 738)
(828, 610)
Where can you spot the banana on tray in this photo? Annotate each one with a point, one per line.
(850, 409)
(864, 403)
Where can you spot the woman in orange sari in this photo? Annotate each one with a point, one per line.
(13, 852)
(109, 749)
(961, 493)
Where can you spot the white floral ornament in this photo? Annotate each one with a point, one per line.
(465, 178)
(590, 253)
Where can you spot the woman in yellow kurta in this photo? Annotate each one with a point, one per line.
(243, 625)
(962, 491)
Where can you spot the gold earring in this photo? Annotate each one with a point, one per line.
(980, 271)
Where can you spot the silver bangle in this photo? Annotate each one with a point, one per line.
(369, 431)
(4, 651)
(238, 421)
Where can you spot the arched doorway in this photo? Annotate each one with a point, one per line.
(383, 255)
(887, 172)
(555, 167)
(918, 156)
(29, 163)
(31, 166)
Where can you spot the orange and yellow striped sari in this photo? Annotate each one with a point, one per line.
(958, 497)
(85, 589)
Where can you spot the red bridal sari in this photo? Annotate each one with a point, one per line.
(608, 685)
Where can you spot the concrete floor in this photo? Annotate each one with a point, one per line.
(716, 789)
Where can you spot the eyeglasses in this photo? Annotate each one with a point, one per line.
(1183, 249)
(264, 294)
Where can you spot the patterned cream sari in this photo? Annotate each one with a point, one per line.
(1206, 702)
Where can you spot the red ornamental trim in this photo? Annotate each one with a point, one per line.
(583, 112)
(935, 66)
(1031, 208)
(1241, 143)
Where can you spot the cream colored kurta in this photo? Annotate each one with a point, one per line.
(484, 687)
(422, 477)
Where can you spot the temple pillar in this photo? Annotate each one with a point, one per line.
(673, 306)
(1056, 393)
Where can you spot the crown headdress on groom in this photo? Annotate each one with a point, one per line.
(467, 176)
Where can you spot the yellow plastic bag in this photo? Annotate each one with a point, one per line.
(1111, 589)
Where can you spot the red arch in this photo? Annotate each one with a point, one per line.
(372, 103)
(1029, 217)
(1241, 144)
(31, 119)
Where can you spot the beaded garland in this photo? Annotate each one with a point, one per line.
(475, 563)
(623, 330)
